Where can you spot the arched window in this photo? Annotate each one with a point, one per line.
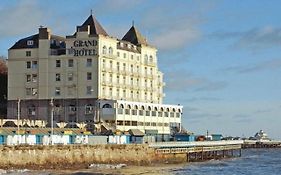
(104, 50)
(129, 106)
(150, 59)
(121, 106)
(145, 58)
(110, 51)
(136, 107)
(106, 106)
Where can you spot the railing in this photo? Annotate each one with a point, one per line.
(195, 144)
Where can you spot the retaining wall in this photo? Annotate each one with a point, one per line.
(81, 156)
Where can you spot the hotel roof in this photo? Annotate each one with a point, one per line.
(95, 27)
(134, 36)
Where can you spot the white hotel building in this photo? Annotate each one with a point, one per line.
(92, 77)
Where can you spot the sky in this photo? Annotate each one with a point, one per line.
(221, 59)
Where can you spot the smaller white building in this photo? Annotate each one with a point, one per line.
(150, 118)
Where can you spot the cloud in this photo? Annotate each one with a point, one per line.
(176, 30)
(180, 80)
(20, 18)
(274, 64)
(212, 86)
(262, 111)
(242, 118)
(254, 39)
(120, 6)
(200, 99)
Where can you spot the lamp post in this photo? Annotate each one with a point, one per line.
(18, 113)
(52, 119)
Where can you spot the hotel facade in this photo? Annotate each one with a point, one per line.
(89, 77)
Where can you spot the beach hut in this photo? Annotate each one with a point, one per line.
(136, 136)
(98, 139)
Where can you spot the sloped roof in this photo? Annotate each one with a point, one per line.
(95, 27)
(136, 132)
(22, 43)
(134, 36)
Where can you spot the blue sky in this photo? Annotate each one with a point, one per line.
(221, 59)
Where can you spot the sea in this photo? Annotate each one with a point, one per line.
(252, 161)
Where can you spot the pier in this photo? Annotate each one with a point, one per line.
(200, 151)
(261, 144)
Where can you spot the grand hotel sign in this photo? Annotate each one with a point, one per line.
(83, 48)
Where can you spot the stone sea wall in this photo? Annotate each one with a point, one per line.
(81, 156)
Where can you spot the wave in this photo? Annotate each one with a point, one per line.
(107, 166)
(19, 171)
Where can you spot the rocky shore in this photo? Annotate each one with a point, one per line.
(81, 156)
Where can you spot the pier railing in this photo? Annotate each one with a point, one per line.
(195, 144)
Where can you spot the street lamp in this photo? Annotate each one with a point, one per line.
(18, 112)
(52, 119)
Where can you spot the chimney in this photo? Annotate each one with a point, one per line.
(44, 33)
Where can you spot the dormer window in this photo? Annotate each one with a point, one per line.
(129, 46)
(135, 47)
(121, 44)
(29, 42)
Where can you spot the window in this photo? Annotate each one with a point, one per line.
(28, 91)
(72, 108)
(34, 78)
(89, 90)
(70, 63)
(134, 123)
(89, 62)
(29, 42)
(28, 78)
(127, 123)
(150, 59)
(89, 75)
(31, 91)
(34, 91)
(31, 110)
(104, 50)
(28, 53)
(70, 76)
(110, 51)
(34, 65)
(145, 59)
(70, 90)
(124, 55)
(58, 77)
(58, 63)
(119, 122)
(57, 91)
(118, 66)
(118, 54)
(28, 64)
(106, 106)
(89, 109)
(134, 112)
